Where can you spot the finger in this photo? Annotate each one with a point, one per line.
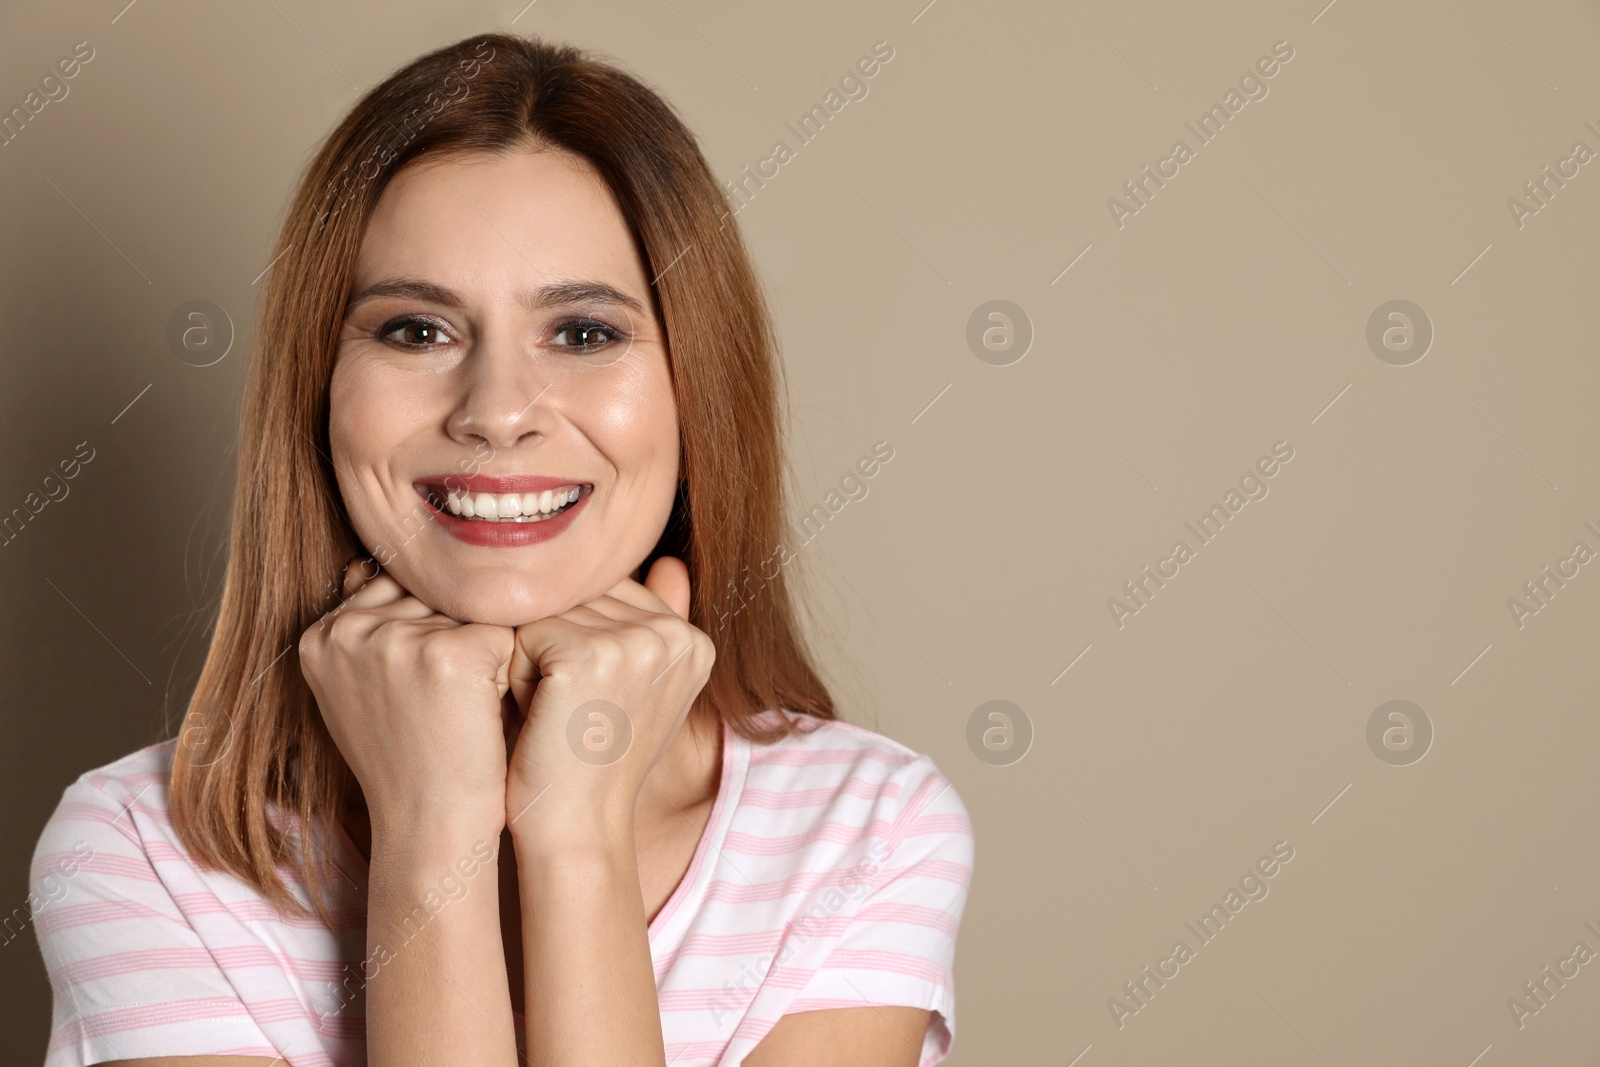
(357, 572)
(358, 625)
(530, 645)
(631, 592)
(535, 640)
(605, 610)
(648, 596)
(376, 592)
(669, 580)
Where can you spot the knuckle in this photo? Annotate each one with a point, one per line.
(342, 626)
(439, 653)
(388, 641)
(608, 649)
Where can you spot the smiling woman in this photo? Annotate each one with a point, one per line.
(506, 798)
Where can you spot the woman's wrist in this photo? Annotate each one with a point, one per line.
(576, 833)
(432, 838)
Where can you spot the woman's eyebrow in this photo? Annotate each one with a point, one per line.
(576, 291)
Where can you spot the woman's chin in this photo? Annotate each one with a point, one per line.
(497, 608)
(496, 601)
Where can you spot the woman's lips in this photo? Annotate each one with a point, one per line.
(446, 496)
(497, 483)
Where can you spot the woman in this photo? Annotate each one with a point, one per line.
(539, 776)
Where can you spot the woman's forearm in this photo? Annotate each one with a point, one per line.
(591, 991)
(436, 970)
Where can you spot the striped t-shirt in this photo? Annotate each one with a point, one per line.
(832, 873)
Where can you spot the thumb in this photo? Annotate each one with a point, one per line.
(669, 580)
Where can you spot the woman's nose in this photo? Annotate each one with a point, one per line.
(503, 395)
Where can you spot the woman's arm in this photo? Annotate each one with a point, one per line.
(435, 970)
(605, 686)
(888, 1036)
(414, 701)
(591, 991)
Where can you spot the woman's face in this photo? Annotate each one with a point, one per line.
(501, 413)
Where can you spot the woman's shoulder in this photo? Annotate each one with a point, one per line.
(835, 748)
(103, 801)
(144, 769)
(851, 775)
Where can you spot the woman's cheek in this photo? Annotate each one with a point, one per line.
(361, 428)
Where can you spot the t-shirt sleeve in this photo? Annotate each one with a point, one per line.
(129, 975)
(899, 947)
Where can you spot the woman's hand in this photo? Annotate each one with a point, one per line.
(413, 699)
(604, 687)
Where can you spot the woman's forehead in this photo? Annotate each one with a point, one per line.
(496, 222)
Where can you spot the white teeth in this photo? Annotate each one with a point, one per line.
(499, 507)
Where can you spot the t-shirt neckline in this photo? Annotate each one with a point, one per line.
(692, 886)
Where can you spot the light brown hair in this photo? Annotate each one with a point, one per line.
(253, 740)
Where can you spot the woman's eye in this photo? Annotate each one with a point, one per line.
(585, 335)
(416, 333)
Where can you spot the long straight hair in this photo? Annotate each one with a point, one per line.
(253, 745)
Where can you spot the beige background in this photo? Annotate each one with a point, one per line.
(1229, 314)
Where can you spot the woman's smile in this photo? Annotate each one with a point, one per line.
(504, 511)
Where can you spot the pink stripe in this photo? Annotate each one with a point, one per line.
(146, 1015)
(137, 779)
(909, 915)
(753, 943)
(259, 911)
(842, 833)
(855, 786)
(889, 963)
(199, 958)
(134, 868)
(756, 943)
(730, 891)
(822, 757)
(71, 916)
(943, 870)
(927, 790)
(97, 816)
(55, 865)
